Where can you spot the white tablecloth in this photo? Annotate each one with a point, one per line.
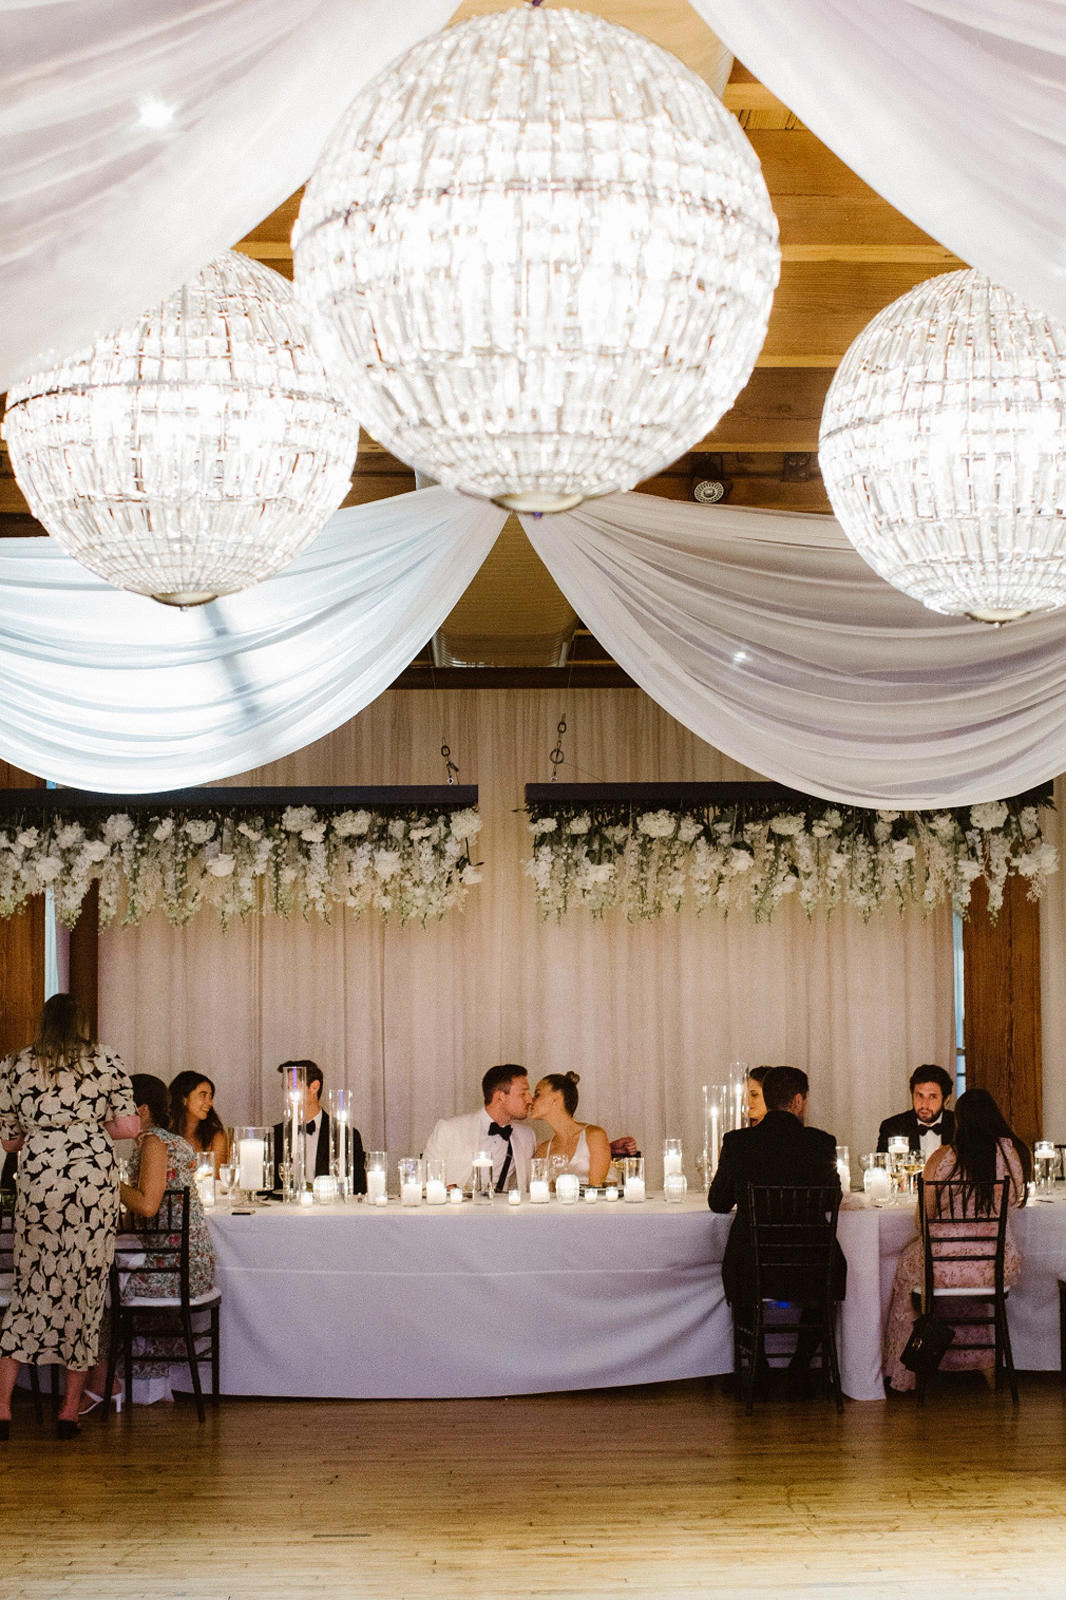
(435, 1302)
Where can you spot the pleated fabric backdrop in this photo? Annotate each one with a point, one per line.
(411, 1018)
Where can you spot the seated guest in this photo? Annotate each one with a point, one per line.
(585, 1146)
(928, 1124)
(501, 1126)
(161, 1160)
(194, 1118)
(316, 1132)
(983, 1149)
(777, 1150)
(756, 1103)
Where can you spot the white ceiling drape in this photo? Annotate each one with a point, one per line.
(953, 110)
(106, 690)
(140, 138)
(766, 634)
(763, 632)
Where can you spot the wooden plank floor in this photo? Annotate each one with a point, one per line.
(659, 1492)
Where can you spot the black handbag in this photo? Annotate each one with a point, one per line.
(928, 1344)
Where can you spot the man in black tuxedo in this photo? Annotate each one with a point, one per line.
(777, 1150)
(316, 1132)
(928, 1124)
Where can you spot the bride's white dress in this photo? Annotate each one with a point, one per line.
(579, 1161)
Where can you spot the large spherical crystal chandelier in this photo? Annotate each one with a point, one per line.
(538, 255)
(194, 452)
(943, 449)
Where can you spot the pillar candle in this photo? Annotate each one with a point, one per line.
(411, 1193)
(251, 1161)
(538, 1191)
(671, 1162)
(375, 1185)
(436, 1193)
(634, 1189)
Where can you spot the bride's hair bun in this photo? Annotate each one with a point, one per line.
(575, 1077)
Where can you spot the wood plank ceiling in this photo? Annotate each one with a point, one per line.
(846, 253)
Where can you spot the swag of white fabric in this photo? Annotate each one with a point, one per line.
(105, 690)
(953, 110)
(767, 635)
(118, 114)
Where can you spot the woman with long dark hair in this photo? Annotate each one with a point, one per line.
(62, 1101)
(193, 1116)
(985, 1150)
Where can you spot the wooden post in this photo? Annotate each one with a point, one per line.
(21, 951)
(1001, 974)
(85, 958)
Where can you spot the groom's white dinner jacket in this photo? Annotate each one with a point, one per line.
(456, 1140)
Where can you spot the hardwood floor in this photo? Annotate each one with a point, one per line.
(667, 1491)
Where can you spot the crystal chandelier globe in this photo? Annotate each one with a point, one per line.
(195, 451)
(943, 449)
(538, 256)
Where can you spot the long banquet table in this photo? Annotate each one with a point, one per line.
(433, 1302)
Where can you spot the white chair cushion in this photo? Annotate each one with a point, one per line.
(973, 1293)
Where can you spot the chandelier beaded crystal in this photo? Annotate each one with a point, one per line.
(196, 450)
(943, 449)
(538, 255)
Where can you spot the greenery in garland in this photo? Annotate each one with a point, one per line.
(753, 855)
(412, 864)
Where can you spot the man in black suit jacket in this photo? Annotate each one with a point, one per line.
(316, 1131)
(777, 1150)
(928, 1124)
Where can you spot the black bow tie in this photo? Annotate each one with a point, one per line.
(928, 1127)
(504, 1133)
(310, 1128)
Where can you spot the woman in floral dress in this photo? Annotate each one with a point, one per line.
(62, 1101)
(985, 1150)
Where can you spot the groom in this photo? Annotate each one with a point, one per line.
(501, 1127)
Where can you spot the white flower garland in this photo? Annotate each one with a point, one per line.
(750, 857)
(414, 865)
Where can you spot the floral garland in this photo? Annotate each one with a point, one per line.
(756, 854)
(414, 864)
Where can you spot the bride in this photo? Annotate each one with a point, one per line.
(584, 1147)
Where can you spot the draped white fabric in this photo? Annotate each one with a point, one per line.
(768, 635)
(108, 690)
(953, 110)
(411, 1018)
(138, 140)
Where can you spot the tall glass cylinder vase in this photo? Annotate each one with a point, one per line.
(715, 1126)
(341, 1144)
(737, 1096)
(295, 1177)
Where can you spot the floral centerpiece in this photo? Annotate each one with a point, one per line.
(752, 855)
(411, 863)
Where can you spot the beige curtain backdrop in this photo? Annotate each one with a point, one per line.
(410, 1018)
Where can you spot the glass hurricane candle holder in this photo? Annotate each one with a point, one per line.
(377, 1175)
(567, 1188)
(844, 1167)
(675, 1188)
(341, 1111)
(436, 1187)
(481, 1181)
(538, 1181)
(325, 1189)
(410, 1181)
(672, 1158)
(633, 1189)
(1044, 1158)
(876, 1177)
(293, 1119)
(253, 1149)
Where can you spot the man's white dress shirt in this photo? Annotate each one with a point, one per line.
(456, 1140)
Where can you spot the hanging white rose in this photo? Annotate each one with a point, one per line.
(465, 824)
(579, 825)
(990, 814)
(657, 824)
(788, 825)
(295, 818)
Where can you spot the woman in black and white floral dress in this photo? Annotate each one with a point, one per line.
(62, 1101)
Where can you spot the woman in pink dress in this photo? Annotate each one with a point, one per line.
(985, 1149)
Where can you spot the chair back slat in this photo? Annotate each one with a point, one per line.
(157, 1248)
(956, 1228)
(793, 1236)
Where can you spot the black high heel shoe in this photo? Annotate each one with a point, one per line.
(66, 1429)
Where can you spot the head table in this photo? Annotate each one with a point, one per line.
(427, 1302)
